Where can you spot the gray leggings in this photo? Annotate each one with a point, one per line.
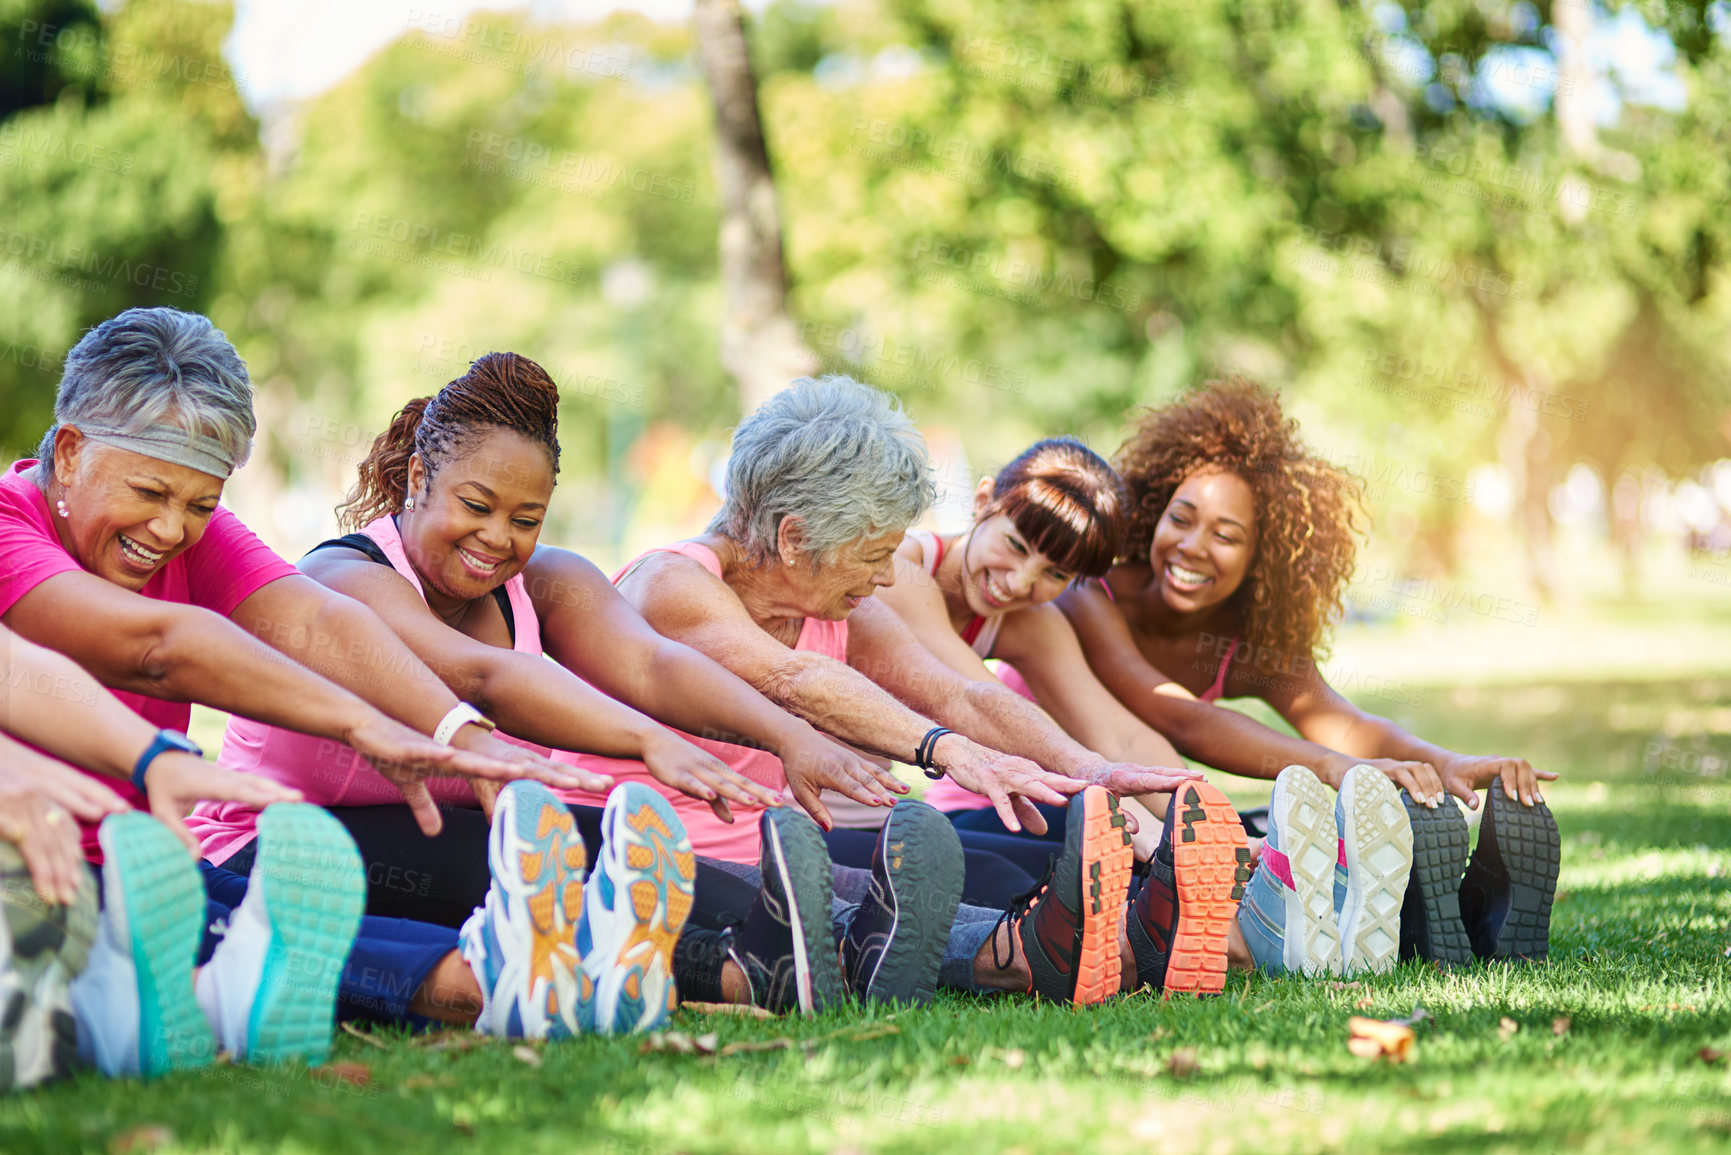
(971, 930)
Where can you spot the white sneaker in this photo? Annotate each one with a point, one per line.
(270, 989)
(134, 1004)
(1377, 838)
(42, 946)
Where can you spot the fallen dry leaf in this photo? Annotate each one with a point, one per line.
(1159, 1033)
(526, 1055)
(1391, 1040)
(453, 1041)
(144, 1137)
(745, 1009)
(1364, 1004)
(1560, 1025)
(1340, 986)
(1709, 1055)
(961, 1061)
(354, 1074)
(1507, 1028)
(780, 1044)
(1014, 1058)
(679, 1043)
(1183, 1063)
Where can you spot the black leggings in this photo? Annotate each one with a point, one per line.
(442, 879)
(993, 877)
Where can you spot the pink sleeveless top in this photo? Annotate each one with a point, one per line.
(710, 836)
(326, 771)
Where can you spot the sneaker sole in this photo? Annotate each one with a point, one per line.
(924, 864)
(647, 859)
(1303, 812)
(1378, 838)
(164, 903)
(1531, 849)
(1107, 858)
(803, 877)
(1211, 858)
(315, 890)
(1439, 860)
(544, 884)
(49, 946)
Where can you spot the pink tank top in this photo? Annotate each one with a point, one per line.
(710, 836)
(326, 771)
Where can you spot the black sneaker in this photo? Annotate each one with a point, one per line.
(1178, 922)
(1067, 925)
(1254, 821)
(1512, 879)
(785, 946)
(1430, 916)
(896, 940)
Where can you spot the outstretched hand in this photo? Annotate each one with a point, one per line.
(677, 763)
(815, 763)
(177, 780)
(1467, 774)
(1013, 784)
(38, 799)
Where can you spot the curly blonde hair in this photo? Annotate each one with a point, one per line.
(1308, 512)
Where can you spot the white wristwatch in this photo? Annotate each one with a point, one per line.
(459, 716)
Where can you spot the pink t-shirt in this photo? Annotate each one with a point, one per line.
(710, 836)
(323, 769)
(227, 565)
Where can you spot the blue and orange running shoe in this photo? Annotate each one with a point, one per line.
(635, 904)
(522, 941)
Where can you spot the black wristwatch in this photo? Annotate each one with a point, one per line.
(164, 741)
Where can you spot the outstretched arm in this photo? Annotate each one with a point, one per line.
(587, 627)
(682, 600)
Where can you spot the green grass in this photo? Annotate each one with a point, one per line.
(1639, 969)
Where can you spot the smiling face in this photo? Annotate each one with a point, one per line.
(477, 518)
(127, 514)
(1205, 541)
(1002, 572)
(855, 572)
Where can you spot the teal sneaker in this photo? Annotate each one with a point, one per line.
(134, 1003)
(270, 989)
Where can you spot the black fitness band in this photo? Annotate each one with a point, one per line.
(928, 744)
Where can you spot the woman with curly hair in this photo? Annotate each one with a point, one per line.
(1239, 543)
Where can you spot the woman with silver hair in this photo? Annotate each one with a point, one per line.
(823, 481)
(118, 555)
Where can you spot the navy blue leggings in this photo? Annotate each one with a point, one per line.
(390, 960)
(985, 820)
(996, 869)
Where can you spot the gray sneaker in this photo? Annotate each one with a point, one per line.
(896, 940)
(42, 946)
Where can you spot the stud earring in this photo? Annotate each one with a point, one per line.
(60, 508)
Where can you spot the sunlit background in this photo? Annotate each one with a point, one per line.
(1481, 247)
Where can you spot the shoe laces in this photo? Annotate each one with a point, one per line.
(1019, 909)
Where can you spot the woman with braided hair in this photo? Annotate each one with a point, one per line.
(1239, 544)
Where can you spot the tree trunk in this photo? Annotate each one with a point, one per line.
(760, 346)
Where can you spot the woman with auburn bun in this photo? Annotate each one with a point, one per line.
(447, 514)
(1049, 519)
(1239, 545)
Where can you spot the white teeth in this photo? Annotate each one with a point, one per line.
(1188, 576)
(137, 552)
(478, 563)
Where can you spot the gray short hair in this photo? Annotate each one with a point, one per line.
(150, 366)
(845, 460)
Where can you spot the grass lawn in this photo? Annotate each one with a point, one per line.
(1613, 1046)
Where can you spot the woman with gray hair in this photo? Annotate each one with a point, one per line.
(824, 479)
(117, 554)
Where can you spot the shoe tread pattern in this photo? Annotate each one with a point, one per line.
(924, 864)
(1531, 851)
(165, 909)
(807, 862)
(1439, 860)
(1211, 859)
(656, 869)
(1106, 861)
(315, 890)
(1302, 811)
(1379, 850)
